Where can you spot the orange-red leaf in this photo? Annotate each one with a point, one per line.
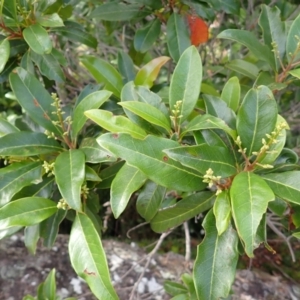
(198, 30)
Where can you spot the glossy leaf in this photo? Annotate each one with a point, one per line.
(295, 73)
(231, 93)
(293, 40)
(31, 237)
(182, 211)
(4, 53)
(145, 37)
(273, 29)
(91, 101)
(91, 174)
(186, 82)
(49, 286)
(250, 196)
(208, 122)
(34, 98)
(178, 38)
(249, 40)
(6, 127)
(38, 39)
(94, 153)
(88, 257)
(275, 149)
(217, 265)
(148, 73)
(127, 181)
(256, 117)
(77, 33)
(203, 157)
(149, 199)
(243, 67)
(48, 66)
(53, 20)
(49, 228)
(126, 67)
(16, 176)
(148, 113)
(285, 185)
(222, 211)
(116, 11)
(115, 123)
(109, 173)
(26, 212)
(215, 106)
(25, 143)
(103, 72)
(147, 155)
(69, 173)
(174, 288)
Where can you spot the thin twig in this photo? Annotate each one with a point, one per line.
(286, 239)
(134, 228)
(149, 257)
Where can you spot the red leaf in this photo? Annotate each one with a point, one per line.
(198, 30)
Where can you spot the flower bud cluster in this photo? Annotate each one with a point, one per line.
(213, 181)
(62, 204)
(49, 168)
(176, 111)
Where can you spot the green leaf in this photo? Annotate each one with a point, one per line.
(6, 127)
(178, 38)
(231, 93)
(215, 106)
(149, 199)
(250, 196)
(174, 288)
(186, 82)
(4, 53)
(38, 39)
(148, 73)
(147, 155)
(49, 287)
(243, 67)
(26, 212)
(217, 265)
(203, 157)
(126, 66)
(69, 173)
(109, 173)
(208, 122)
(182, 211)
(222, 211)
(49, 228)
(88, 258)
(48, 66)
(9, 231)
(94, 153)
(53, 20)
(273, 30)
(103, 72)
(116, 11)
(34, 98)
(256, 117)
(145, 37)
(115, 124)
(292, 49)
(91, 101)
(75, 32)
(9, 8)
(27, 144)
(31, 237)
(16, 176)
(249, 40)
(285, 185)
(91, 174)
(295, 73)
(275, 149)
(148, 113)
(127, 181)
